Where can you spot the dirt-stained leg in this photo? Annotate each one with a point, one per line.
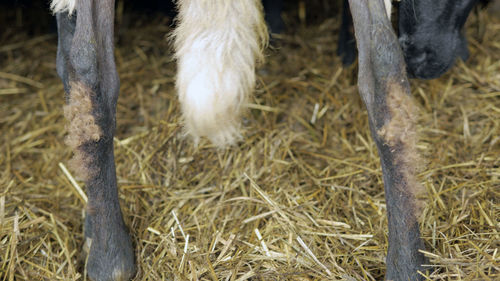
(85, 63)
(385, 90)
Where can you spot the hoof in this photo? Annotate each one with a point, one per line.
(404, 263)
(110, 256)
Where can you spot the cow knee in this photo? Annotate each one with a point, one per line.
(83, 59)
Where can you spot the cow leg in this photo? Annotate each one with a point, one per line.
(384, 88)
(65, 29)
(346, 48)
(272, 14)
(85, 63)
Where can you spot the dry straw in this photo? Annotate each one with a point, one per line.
(300, 198)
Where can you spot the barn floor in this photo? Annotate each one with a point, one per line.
(298, 199)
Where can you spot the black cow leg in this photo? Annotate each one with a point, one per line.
(346, 48)
(85, 62)
(384, 88)
(272, 14)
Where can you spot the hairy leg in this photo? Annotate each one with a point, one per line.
(385, 90)
(85, 63)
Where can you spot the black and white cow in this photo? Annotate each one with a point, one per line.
(217, 45)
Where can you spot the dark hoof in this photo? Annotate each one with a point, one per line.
(110, 255)
(404, 263)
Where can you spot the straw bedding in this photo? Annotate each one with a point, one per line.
(300, 198)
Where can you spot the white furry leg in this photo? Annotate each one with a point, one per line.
(59, 6)
(217, 43)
